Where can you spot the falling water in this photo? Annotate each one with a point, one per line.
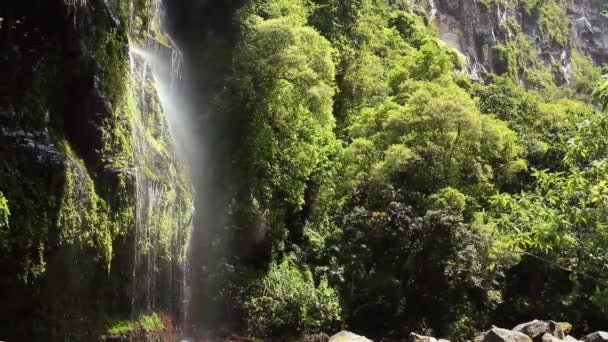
(163, 218)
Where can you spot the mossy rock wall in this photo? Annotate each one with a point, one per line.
(72, 175)
(538, 44)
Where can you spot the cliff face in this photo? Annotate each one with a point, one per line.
(99, 206)
(504, 36)
(589, 28)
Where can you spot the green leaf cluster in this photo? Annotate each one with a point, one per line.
(4, 212)
(288, 302)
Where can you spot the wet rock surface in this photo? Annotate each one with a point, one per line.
(474, 30)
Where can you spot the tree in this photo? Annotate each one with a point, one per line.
(287, 303)
(449, 142)
(406, 267)
(284, 75)
(417, 165)
(562, 220)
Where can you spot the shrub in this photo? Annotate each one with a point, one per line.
(288, 303)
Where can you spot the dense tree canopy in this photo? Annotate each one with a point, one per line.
(377, 170)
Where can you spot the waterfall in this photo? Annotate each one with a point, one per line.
(163, 191)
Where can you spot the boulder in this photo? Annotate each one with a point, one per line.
(550, 338)
(569, 338)
(502, 335)
(536, 329)
(420, 338)
(566, 327)
(598, 336)
(347, 336)
(322, 337)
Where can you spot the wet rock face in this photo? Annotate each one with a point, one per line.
(475, 29)
(67, 118)
(471, 30)
(589, 28)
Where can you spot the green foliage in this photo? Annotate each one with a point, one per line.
(84, 218)
(553, 22)
(68, 171)
(549, 16)
(543, 128)
(287, 302)
(602, 92)
(285, 74)
(150, 322)
(522, 61)
(407, 268)
(519, 51)
(430, 62)
(557, 214)
(4, 212)
(368, 157)
(448, 198)
(443, 138)
(563, 216)
(585, 74)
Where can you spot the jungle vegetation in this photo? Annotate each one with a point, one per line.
(396, 194)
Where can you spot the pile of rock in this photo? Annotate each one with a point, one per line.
(421, 338)
(538, 331)
(533, 331)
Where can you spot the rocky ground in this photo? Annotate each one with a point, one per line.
(533, 331)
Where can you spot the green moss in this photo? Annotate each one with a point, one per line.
(149, 322)
(112, 61)
(118, 139)
(553, 22)
(32, 194)
(4, 212)
(523, 63)
(550, 16)
(163, 183)
(585, 74)
(84, 217)
(518, 51)
(113, 65)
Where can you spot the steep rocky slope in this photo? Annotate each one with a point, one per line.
(99, 206)
(504, 36)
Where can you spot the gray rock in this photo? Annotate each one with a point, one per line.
(474, 30)
(550, 338)
(569, 338)
(503, 335)
(598, 336)
(420, 338)
(347, 336)
(321, 337)
(538, 328)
